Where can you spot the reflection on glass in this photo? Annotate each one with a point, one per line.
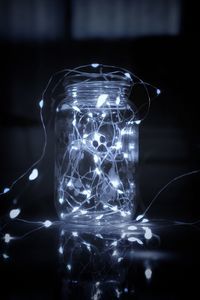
(96, 147)
(98, 261)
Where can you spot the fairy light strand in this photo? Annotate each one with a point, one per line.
(102, 151)
(111, 151)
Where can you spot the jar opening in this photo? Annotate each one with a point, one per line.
(98, 93)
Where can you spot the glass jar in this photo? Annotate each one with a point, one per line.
(96, 147)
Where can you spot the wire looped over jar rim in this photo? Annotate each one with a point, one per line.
(55, 89)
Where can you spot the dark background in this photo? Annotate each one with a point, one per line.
(157, 40)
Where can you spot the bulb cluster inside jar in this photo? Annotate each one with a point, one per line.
(96, 157)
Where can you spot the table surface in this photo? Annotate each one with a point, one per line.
(77, 262)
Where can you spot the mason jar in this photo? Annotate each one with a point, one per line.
(96, 153)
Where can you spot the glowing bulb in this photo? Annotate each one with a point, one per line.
(98, 171)
(60, 250)
(96, 158)
(148, 273)
(87, 193)
(14, 213)
(148, 233)
(127, 75)
(117, 100)
(138, 122)
(47, 223)
(96, 136)
(118, 145)
(69, 267)
(33, 175)
(134, 239)
(101, 100)
(76, 108)
(74, 148)
(69, 183)
(99, 235)
(158, 92)
(122, 213)
(120, 192)
(139, 217)
(95, 65)
(61, 200)
(123, 131)
(118, 293)
(131, 146)
(123, 235)
(99, 217)
(128, 131)
(88, 246)
(114, 243)
(114, 208)
(41, 103)
(145, 220)
(125, 155)
(6, 190)
(75, 208)
(132, 227)
(115, 183)
(7, 238)
(5, 256)
(75, 233)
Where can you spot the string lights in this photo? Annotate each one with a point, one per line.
(104, 257)
(97, 146)
(96, 151)
(96, 128)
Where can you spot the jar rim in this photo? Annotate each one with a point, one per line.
(98, 84)
(98, 73)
